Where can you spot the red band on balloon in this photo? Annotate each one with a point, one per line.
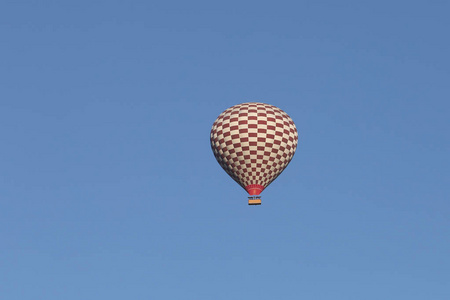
(254, 189)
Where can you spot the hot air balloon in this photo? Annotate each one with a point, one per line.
(254, 142)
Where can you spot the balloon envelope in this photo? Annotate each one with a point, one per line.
(254, 142)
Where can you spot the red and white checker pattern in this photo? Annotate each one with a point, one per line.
(254, 142)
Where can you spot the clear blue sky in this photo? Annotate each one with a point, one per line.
(109, 189)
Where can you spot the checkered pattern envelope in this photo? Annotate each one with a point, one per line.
(254, 142)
